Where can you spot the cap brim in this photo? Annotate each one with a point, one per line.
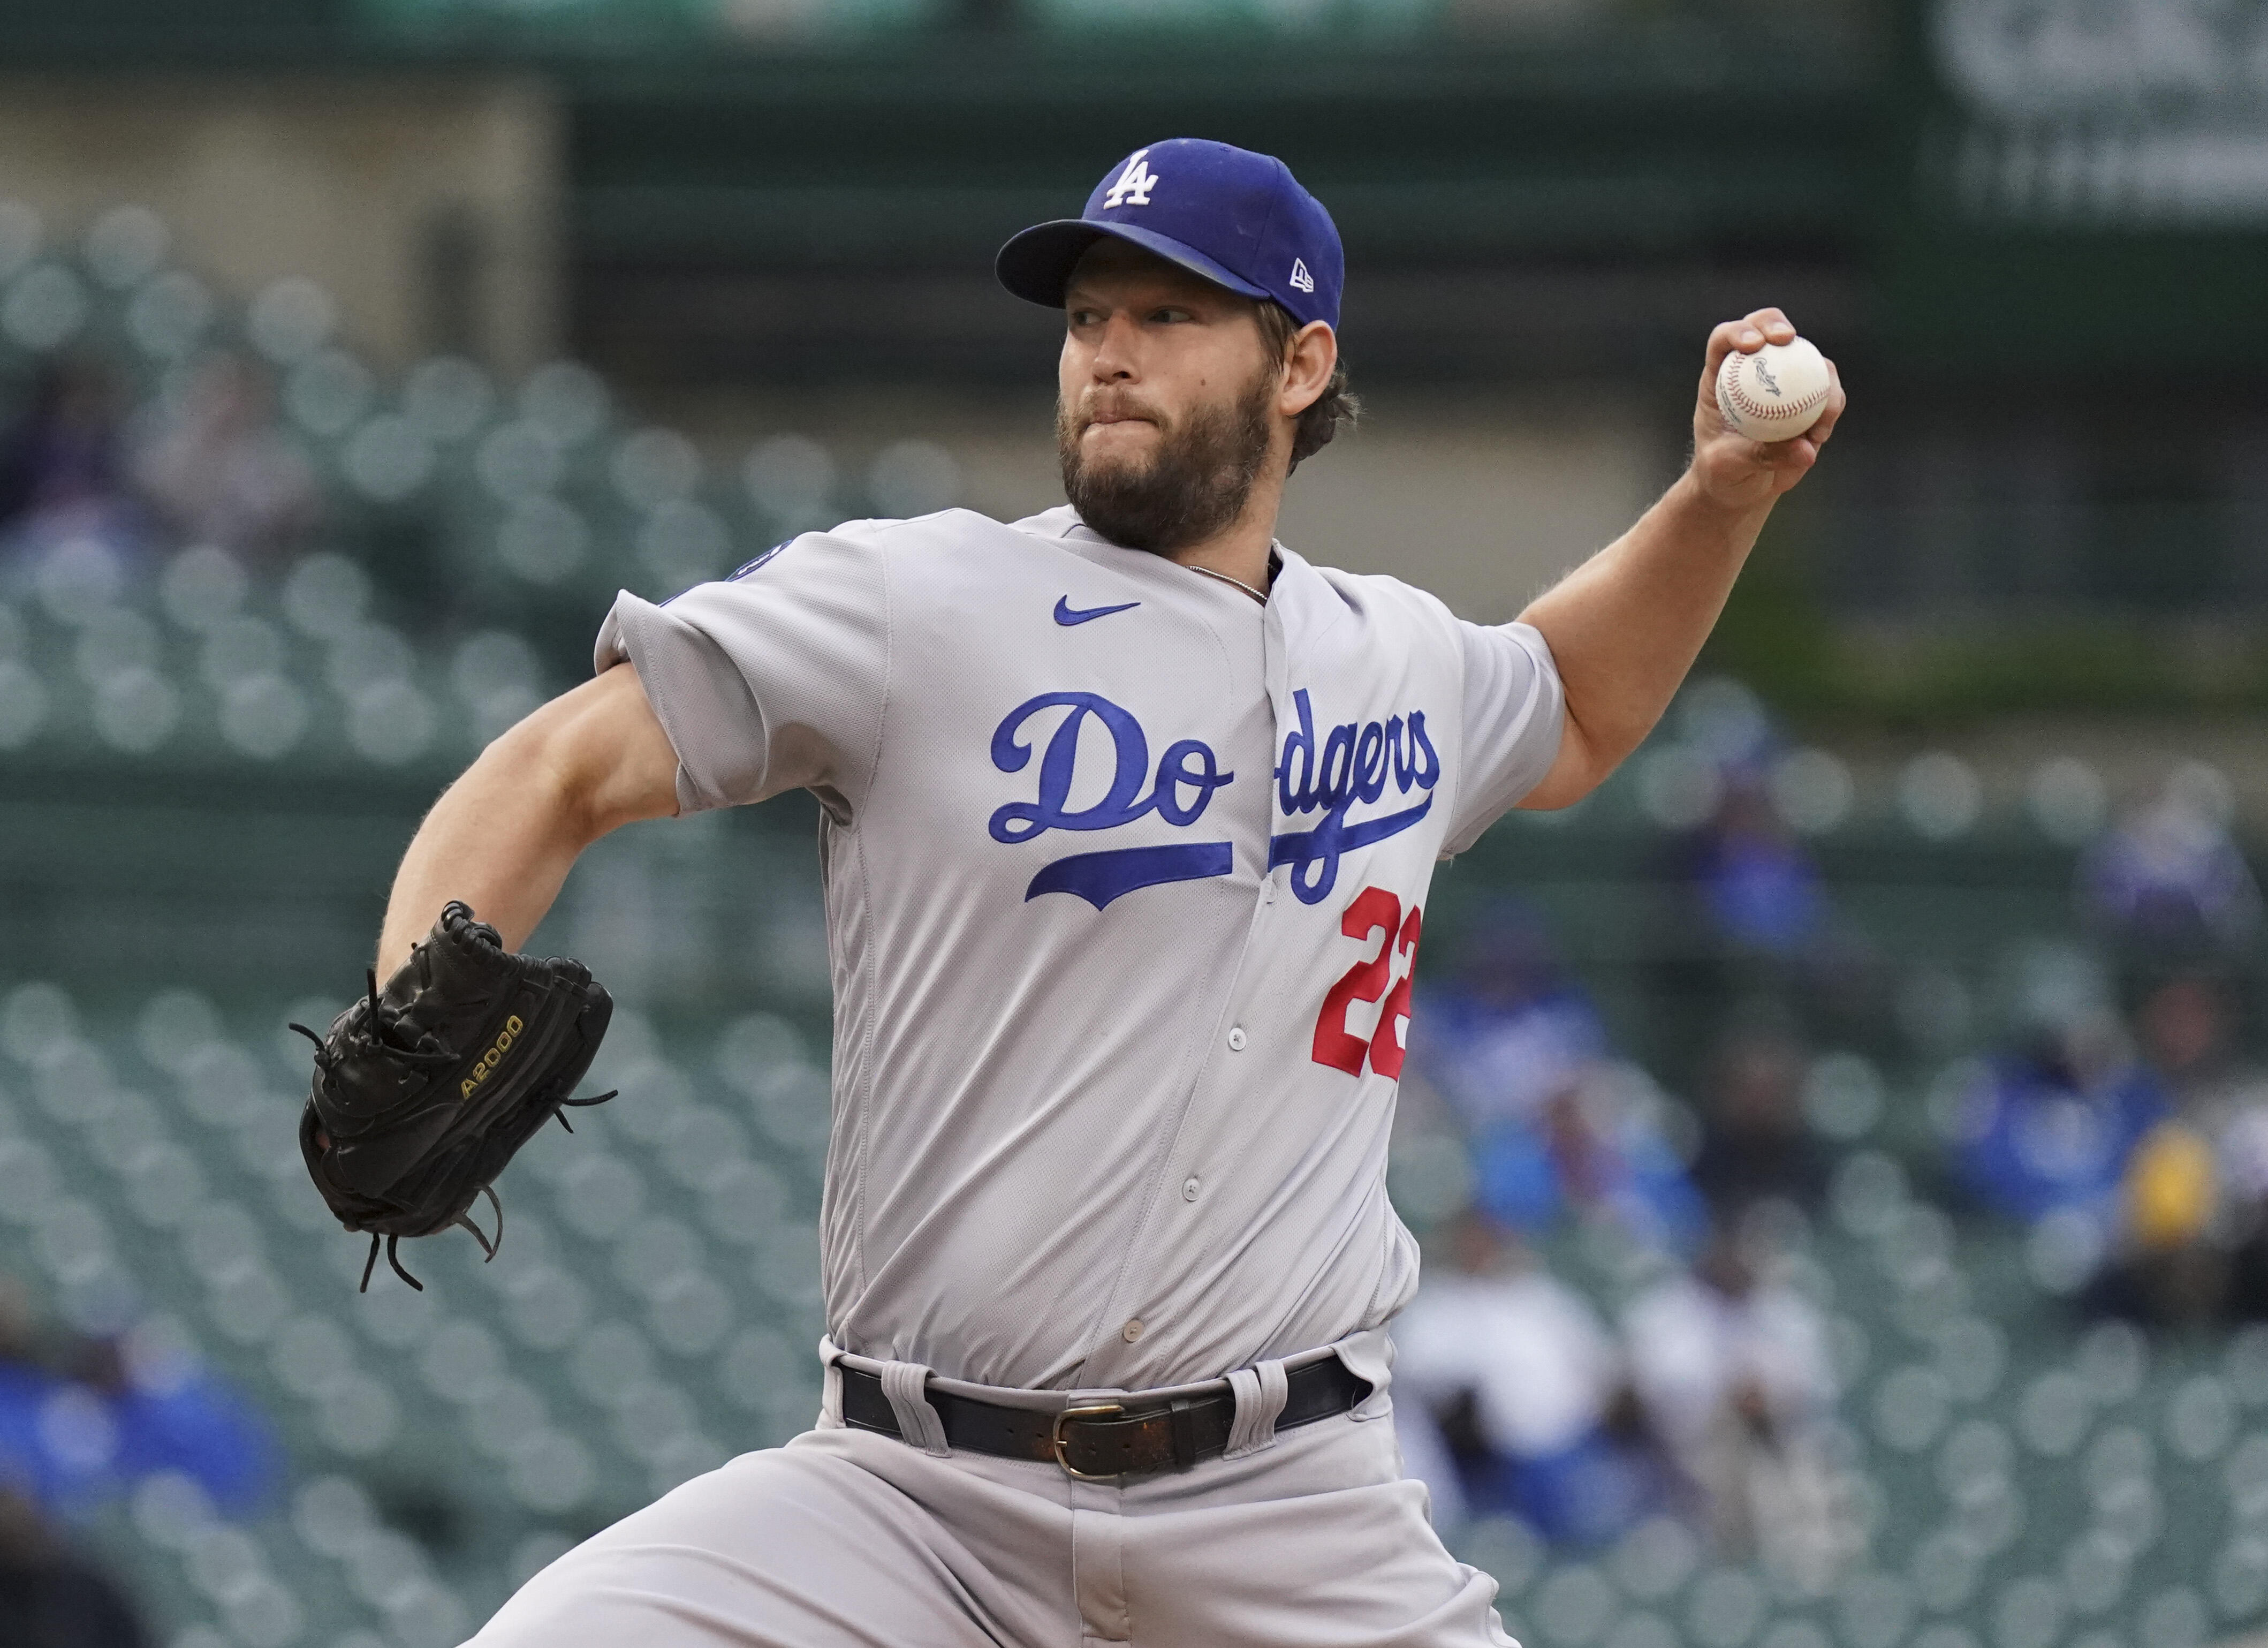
(1036, 264)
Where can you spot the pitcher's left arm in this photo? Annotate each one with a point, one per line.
(1626, 626)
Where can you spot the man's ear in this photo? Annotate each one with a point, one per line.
(1308, 366)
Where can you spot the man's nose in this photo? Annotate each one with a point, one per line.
(1115, 356)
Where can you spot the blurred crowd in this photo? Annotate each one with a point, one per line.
(2115, 1121)
(2124, 1121)
(1708, 1396)
(206, 461)
(85, 1420)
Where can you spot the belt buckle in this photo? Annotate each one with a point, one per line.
(1057, 1443)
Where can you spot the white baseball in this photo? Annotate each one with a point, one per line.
(1775, 393)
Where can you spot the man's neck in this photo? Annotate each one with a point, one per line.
(1241, 550)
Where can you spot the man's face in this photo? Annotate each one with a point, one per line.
(1166, 408)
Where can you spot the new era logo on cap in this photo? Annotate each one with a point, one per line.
(1237, 218)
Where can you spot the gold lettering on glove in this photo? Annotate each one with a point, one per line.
(492, 1058)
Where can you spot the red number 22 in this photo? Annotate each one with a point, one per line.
(1374, 910)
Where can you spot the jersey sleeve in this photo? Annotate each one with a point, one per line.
(774, 680)
(1515, 708)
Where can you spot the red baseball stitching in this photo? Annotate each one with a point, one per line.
(1736, 391)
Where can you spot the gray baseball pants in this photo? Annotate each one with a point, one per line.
(1311, 1538)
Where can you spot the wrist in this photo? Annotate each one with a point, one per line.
(1739, 517)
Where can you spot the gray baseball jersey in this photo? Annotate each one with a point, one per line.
(1125, 876)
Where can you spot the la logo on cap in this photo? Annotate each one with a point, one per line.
(1300, 278)
(1134, 184)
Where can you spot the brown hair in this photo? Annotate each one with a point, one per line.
(1336, 408)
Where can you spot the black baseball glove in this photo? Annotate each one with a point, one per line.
(424, 1089)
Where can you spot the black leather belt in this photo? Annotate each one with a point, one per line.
(1104, 1439)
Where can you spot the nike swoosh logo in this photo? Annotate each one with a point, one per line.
(1067, 614)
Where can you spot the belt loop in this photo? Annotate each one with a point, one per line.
(905, 1384)
(1369, 1355)
(1260, 1393)
(830, 1385)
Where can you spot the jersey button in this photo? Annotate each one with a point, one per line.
(1190, 1188)
(1132, 1331)
(1236, 1039)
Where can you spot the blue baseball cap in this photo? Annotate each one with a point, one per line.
(1238, 219)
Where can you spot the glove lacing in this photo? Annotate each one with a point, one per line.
(383, 1026)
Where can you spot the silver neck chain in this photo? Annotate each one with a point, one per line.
(1261, 596)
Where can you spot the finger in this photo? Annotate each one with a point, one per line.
(1748, 334)
(1773, 324)
(1726, 337)
(1785, 461)
(1828, 418)
(1744, 334)
(1777, 455)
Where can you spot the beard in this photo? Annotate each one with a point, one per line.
(1192, 485)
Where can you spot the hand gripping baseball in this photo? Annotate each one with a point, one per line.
(424, 1090)
(1732, 468)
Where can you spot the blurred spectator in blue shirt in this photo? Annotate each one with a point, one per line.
(1596, 1152)
(1525, 1388)
(1756, 882)
(2167, 880)
(1510, 1029)
(2049, 1125)
(86, 1419)
(1557, 1128)
(1746, 927)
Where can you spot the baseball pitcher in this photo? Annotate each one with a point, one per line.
(1129, 814)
